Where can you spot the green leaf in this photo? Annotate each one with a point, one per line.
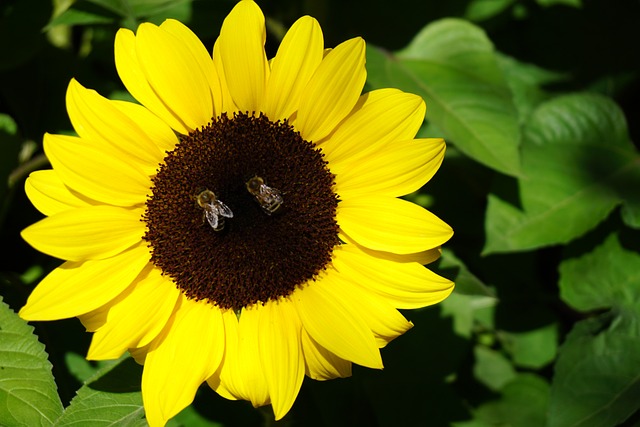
(597, 376)
(631, 214)
(158, 10)
(470, 297)
(119, 7)
(578, 165)
(481, 10)
(28, 393)
(523, 403)
(452, 65)
(572, 3)
(81, 368)
(190, 417)
(491, 368)
(9, 152)
(526, 82)
(110, 397)
(609, 276)
(466, 311)
(466, 282)
(532, 349)
(78, 16)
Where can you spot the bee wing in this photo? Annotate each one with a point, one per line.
(212, 217)
(270, 195)
(224, 210)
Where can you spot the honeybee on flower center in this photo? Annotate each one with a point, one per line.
(267, 197)
(214, 210)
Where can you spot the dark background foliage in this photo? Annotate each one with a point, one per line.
(539, 102)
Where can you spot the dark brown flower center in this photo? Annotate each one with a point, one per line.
(271, 197)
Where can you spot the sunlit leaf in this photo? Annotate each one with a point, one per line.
(532, 349)
(466, 310)
(83, 369)
(480, 10)
(527, 83)
(9, 150)
(573, 3)
(466, 282)
(179, 9)
(78, 16)
(578, 165)
(110, 397)
(609, 276)
(28, 393)
(631, 213)
(597, 376)
(452, 65)
(523, 402)
(491, 368)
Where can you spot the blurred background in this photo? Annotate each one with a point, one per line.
(539, 102)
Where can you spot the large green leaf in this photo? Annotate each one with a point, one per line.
(527, 82)
(452, 65)
(597, 376)
(110, 397)
(578, 165)
(28, 393)
(523, 402)
(607, 277)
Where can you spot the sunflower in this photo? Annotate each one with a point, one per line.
(241, 225)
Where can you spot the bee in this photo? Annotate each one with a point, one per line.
(267, 197)
(214, 210)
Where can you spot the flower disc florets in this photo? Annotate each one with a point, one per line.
(256, 256)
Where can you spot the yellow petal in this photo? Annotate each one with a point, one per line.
(226, 388)
(423, 258)
(134, 79)
(381, 317)
(189, 352)
(95, 232)
(134, 318)
(333, 90)
(398, 168)
(228, 106)
(75, 288)
(104, 176)
(242, 55)
(404, 285)
(49, 195)
(320, 363)
(175, 74)
(242, 375)
(390, 224)
(298, 56)
(98, 120)
(155, 129)
(334, 325)
(200, 56)
(379, 117)
(281, 353)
